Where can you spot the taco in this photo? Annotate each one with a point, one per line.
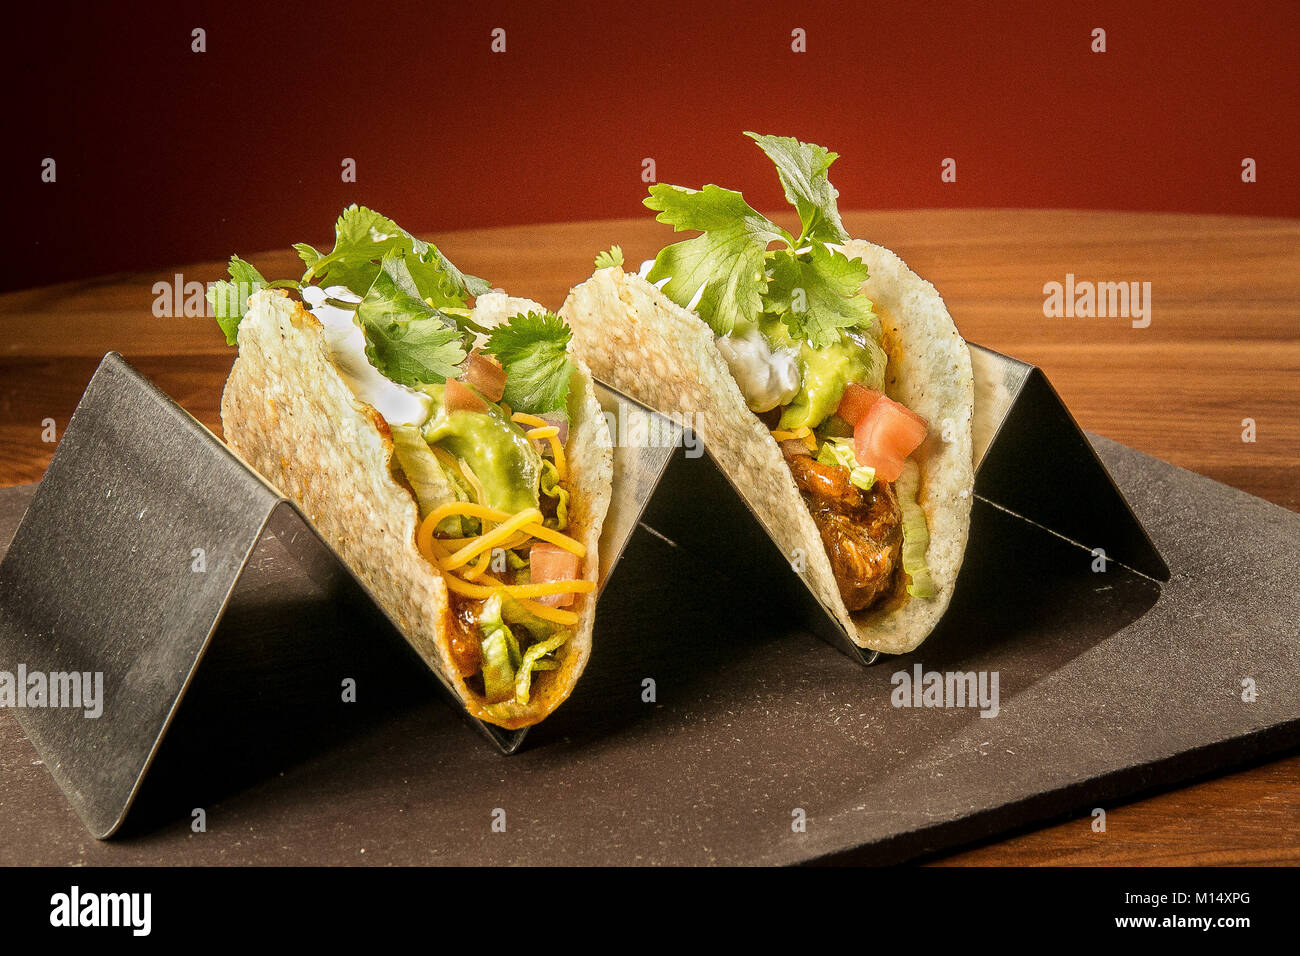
(453, 455)
(826, 378)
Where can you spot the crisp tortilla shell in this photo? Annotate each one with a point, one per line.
(640, 342)
(288, 412)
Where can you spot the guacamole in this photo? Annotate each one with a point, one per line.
(505, 462)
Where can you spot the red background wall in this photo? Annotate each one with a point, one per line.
(166, 156)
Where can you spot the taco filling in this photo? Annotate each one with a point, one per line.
(803, 343)
(477, 401)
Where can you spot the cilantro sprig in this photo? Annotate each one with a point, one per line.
(363, 238)
(802, 169)
(817, 294)
(408, 340)
(533, 350)
(727, 259)
(414, 301)
(732, 267)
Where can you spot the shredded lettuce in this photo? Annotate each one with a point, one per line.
(422, 469)
(500, 653)
(839, 451)
(432, 481)
(514, 612)
(916, 536)
(534, 659)
(550, 486)
(508, 674)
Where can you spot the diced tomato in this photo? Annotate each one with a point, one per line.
(886, 435)
(485, 374)
(857, 401)
(549, 562)
(457, 397)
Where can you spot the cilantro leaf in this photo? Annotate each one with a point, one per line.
(533, 349)
(818, 293)
(308, 254)
(727, 260)
(408, 340)
(462, 282)
(229, 300)
(802, 168)
(363, 238)
(612, 258)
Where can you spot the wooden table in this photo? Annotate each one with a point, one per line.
(1223, 346)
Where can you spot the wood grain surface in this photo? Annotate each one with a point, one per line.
(1223, 345)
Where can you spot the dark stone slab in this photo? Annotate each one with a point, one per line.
(1109, 684)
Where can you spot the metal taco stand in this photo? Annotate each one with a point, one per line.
(101, 576)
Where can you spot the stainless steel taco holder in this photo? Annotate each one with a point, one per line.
(144, 524)
(1034, 462)
(124, 564)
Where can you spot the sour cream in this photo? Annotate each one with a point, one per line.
(347, 344)
(766, 378)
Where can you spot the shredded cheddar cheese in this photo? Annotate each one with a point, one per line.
(553, 614)
(557, 539)
(541, 428)
(525, 419)
(561, 468)
(486, 542)
(479, 566)
(484, 513)
(802, 433)
(474, 582)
